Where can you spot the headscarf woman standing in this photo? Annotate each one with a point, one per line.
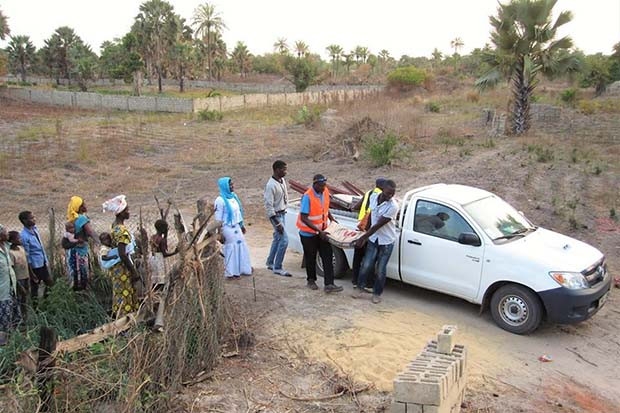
(229, 212)
(78, 263)
(124, 299)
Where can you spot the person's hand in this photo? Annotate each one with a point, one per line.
(359, 243)
(280, 228)
(243, 230)
(34, 278)
(323, 234)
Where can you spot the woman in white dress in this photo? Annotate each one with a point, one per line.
(229, 212)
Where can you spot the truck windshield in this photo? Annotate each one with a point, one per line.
(498, 219)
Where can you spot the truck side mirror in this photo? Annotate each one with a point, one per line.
(469, 238)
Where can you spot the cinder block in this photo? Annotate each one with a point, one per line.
(427, 390)
(398, 407)
(446, 339)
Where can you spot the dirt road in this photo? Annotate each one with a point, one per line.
(372, 343)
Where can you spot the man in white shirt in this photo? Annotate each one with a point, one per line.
(276, 199)
(380, 237)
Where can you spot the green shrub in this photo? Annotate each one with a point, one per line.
(210, 115)
(433, 107)
(569, 96)
(307, 116)
(381, 150)
(406, 78)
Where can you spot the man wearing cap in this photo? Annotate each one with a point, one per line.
(364, 208)
(380, 239)
(312, 221)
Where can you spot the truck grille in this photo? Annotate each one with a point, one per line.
(595, 273)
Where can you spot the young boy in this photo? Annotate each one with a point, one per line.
(20, 266)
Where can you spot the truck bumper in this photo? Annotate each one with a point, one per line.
(566, 306)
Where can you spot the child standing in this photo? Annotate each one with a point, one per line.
(20, 266)
(159, 251)
(157, 265)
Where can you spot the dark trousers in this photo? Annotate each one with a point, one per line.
(43, 275)
(358, 257)
(23, 290)
(311, 246)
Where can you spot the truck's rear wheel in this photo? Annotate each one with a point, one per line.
(339, 262)
(516, 309)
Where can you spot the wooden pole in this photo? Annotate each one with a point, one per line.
(44, 376)
(51, 246)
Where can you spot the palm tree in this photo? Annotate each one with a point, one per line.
(4, 26)
(456, 44)
(207, 22)
(335, 52)
(301, 48)
(384, 58)
(361, 53)
(525, 45)
(56, 52)
(281, 46)
(348, 60)
(157, 28)
(21, 54)
(241, 57)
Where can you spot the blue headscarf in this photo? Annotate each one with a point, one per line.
(226, 194)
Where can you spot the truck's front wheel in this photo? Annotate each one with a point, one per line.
(339, 262)
(516, 309)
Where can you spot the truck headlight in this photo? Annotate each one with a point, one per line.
(572, 280)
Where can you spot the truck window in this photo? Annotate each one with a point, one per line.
(438, 220)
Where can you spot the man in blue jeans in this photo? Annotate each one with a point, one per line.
(380, 239)
(276, 199)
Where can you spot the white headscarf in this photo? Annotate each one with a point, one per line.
(115, 205)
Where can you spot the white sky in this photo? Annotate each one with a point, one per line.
(411, 27)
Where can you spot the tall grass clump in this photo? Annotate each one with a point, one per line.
(210, 115)
(381, 150)
(308, 116)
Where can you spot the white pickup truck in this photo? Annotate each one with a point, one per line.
(488, 253)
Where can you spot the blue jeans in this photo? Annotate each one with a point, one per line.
(376, 255)
(278, 245)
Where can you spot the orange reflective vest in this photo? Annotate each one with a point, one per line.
(319, 212)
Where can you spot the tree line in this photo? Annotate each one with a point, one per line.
(163, 45)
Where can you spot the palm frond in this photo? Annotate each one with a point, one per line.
(488, 80)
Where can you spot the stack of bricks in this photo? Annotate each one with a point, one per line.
(435, 381)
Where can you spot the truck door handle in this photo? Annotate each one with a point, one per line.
(474, 259)
(416, 242)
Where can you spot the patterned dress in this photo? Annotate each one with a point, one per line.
(124, 299)
(10, 314)
(79, 264)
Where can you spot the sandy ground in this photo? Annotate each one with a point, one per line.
(305, 345)
(372, 344)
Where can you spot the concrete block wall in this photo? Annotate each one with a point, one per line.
(87, 100)
(434, 382)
